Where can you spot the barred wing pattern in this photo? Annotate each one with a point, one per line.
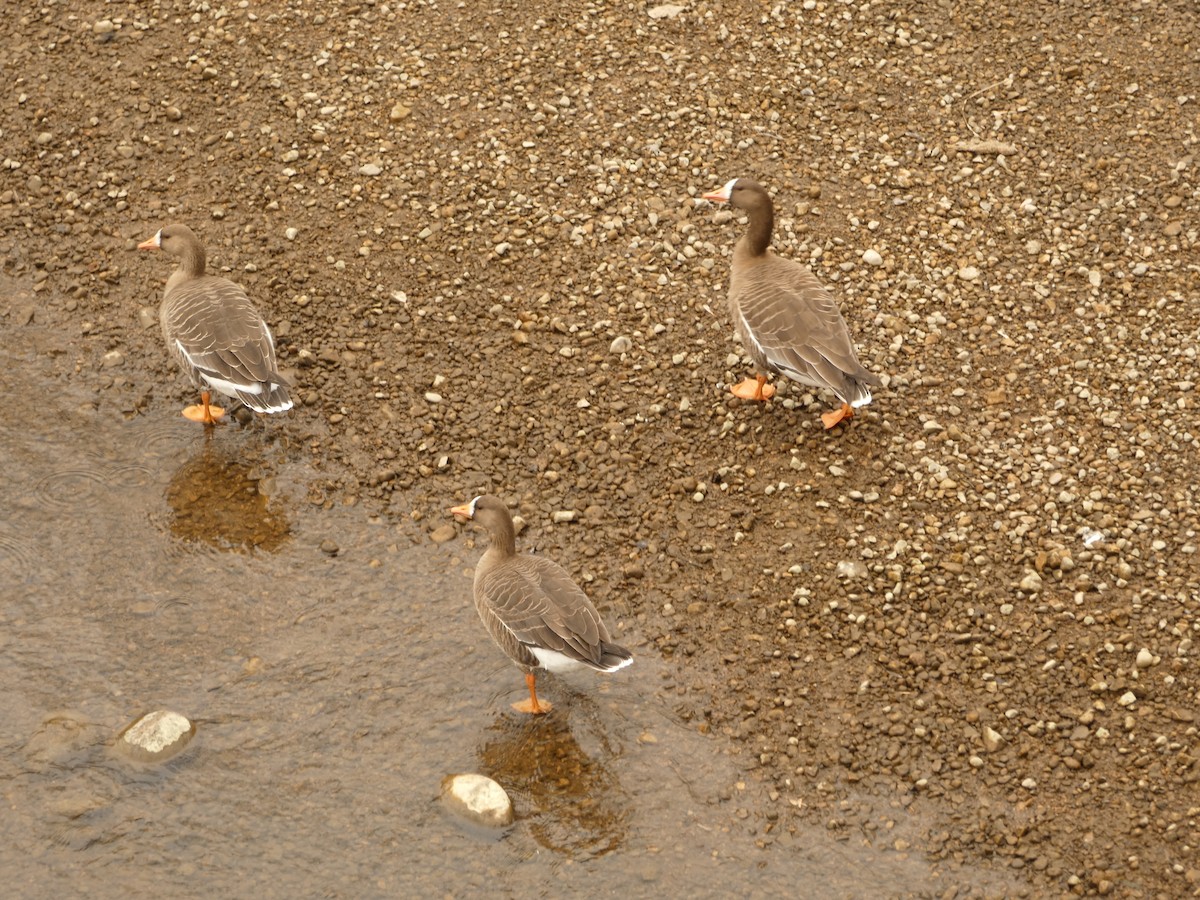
(791, 325)
(530, 603)
(217, 336)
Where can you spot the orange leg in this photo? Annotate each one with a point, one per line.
(532, 705)
(205, 412)
(753, 389)
(834, 416)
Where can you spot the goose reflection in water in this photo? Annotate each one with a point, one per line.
(571, 802)
(217, 498)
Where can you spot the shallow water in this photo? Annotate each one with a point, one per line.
(148, 566)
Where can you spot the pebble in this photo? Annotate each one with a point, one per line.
(329, 547)
(399, 112)
(991, 739)
(621, 344)
(370, 169)
(443, 533)
(1145, 659)
(968, 273)
(559, 516)
(872, 258)
(665, 11)
(853, 570)
(1031, 582)
(478, 799)
(156, 737)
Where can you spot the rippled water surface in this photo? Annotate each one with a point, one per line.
(148, 566)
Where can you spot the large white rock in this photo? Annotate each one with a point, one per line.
(478, 799)
(156, 736)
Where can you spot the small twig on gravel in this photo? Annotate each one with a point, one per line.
(1006, 81)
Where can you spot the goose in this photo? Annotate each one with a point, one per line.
(785, 317)
(215, 334)
(533, 610)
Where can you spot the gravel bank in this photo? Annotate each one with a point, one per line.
(963, 625)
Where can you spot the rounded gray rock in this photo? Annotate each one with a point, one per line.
(478, 799)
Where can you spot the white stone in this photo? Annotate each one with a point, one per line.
(852, 569)
(620, 344)
(1031, 582)
(370, 169)
(666, 11)
(478, 799)
(991, 739)
(968, 273)
(1145, 659)
(156, 736)
(872, 258)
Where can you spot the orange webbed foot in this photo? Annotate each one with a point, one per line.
(535, 708)
(834, 416)
(753, 389)
(210, 416)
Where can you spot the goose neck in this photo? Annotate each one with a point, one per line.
(758, 234)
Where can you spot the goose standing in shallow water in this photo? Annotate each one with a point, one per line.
(785, 318)
(533, 609)
(215, 333)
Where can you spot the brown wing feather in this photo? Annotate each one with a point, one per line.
(534, 602)
(791, 324)
(215, 332)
